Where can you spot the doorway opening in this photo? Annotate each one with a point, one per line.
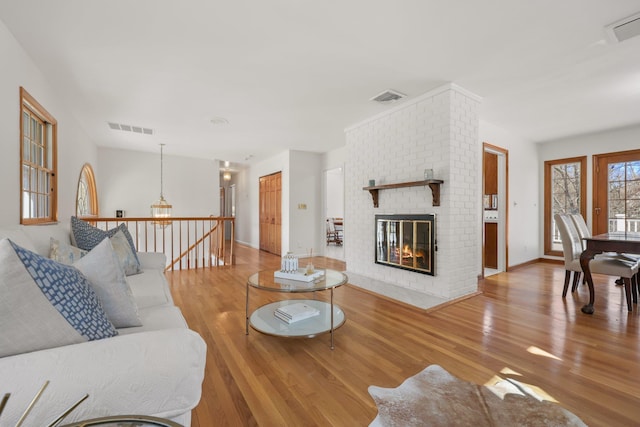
(333, 221)
(495, 209)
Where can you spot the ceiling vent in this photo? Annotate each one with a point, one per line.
(388, 96)
(624, 29)
(129, 128)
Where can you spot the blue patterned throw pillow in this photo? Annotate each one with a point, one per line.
(87, 237)
(70, 293)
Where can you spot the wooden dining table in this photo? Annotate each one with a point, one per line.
(620, 242)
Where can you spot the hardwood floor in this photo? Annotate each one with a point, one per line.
(520, 327)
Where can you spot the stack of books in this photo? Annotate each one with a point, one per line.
(299, 275)
(295, 312)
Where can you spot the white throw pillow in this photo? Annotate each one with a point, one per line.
(64, 252)
(45, 304)
(103, 269)
(126, 256)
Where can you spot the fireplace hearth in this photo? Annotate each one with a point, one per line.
(407, 242)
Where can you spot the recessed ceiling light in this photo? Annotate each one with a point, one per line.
(219, 121)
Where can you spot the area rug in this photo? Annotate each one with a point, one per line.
(434, 397)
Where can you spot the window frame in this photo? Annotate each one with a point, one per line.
(600, 208)
(50, 129)
(92, 192)
(548, 193)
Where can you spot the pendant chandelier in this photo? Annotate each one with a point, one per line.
(161, 209)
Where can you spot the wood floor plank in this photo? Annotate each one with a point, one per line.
(519, 327)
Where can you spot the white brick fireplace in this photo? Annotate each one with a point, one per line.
(438, 131)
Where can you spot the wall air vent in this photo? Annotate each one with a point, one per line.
(129, 128)
(388, 96)
(624, 29)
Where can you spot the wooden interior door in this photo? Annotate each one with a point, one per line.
(271, 213)
(490, 228)
(616, 192)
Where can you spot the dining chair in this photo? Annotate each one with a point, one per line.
(582, 227)
(572, 249)
(583, 231)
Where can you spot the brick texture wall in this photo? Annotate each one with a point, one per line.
(438, 131)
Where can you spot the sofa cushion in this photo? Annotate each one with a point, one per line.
(150, 288)
(102, 268)
(86, 236)
(17, 235)
(45, 304)
(158, 318)
(156, 373)
(40, 237)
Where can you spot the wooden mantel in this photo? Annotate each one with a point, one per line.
(434, 184)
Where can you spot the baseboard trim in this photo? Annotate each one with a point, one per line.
(453, 301)
(535, 261)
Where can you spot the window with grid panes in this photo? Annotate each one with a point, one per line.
(564, 192)
(38, 129)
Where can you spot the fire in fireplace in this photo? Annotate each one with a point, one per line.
(407, 242)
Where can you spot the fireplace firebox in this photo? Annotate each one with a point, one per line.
(407, 242)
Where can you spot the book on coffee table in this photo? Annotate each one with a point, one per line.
(295, 312)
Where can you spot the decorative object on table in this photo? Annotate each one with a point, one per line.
(434, 397)
(428, 174)
(295, 312)
(289, 263)
(299, 275)
(161, 209)
(309, 267)
(33, 402)
(3, 403)
(372, 182)
(289, 270)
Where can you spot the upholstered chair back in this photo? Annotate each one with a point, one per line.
(571, 241)
(581, 226)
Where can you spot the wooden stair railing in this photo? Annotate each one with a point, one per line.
(176, 233)
(195, 246)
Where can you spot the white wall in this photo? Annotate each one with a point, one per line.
(74, 146)
(248, 192)
(305, 190)
(130, 180)
(611, 141)
(301, 185)
(524, 186)
(335, 193)
(438, 131)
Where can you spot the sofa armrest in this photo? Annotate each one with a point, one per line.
(156, 373)
(152, 260)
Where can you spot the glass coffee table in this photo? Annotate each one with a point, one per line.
(264, 320)
(125, 421)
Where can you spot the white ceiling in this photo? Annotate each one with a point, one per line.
(293, 74)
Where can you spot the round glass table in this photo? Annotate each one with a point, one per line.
(264, 319)
(126, 421)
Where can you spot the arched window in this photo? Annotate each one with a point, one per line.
(87, 196)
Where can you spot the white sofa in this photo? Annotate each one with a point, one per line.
(156, 369)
